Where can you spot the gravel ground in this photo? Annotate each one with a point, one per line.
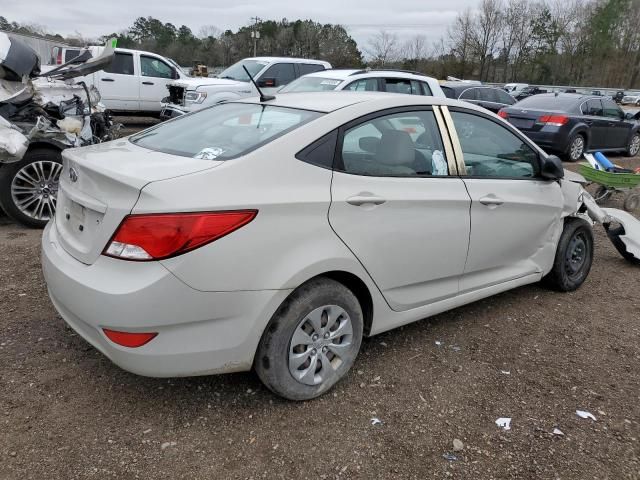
(530, 354)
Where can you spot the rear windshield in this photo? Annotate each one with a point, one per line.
(559, 103)
(311, 84)
(224, 131)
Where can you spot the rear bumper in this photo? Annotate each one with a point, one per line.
(199, 333)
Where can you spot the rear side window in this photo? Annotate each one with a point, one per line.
(491, 150)
(470, 94)
(309, 68)
(592, 108)
(223, 132)
(504, 97)
(426, 89)
(402, 85)
(405, 144)
(122, 64)
(364, 85)
(320, 152)
(282, 73)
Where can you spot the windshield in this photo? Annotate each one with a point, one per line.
(224, 131)
(236, 72)
(311, 84)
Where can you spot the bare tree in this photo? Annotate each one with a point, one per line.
(486, 31)
(460, 38)
(207, 31)
(383, 48)
(415, 50)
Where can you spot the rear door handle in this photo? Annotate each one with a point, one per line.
(359, 200)
(107, 79)
(491, 200)
(147, 83)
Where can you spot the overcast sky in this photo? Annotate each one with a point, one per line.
(362, 18)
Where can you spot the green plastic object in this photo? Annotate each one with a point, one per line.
(609, 179)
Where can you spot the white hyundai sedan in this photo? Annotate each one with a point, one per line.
(274, 235)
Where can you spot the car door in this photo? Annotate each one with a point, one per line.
(618, 129)
(119, 84)
(593, 116)
(398, 208)
(155, 74)
(515, 215)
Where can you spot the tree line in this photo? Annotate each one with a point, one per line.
(561, 42)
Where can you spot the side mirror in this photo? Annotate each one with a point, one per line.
(267, 82)
(552, 168)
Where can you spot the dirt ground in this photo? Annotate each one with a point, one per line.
(533, 355)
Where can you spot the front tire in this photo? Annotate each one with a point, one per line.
(312, 340)
(574, 257)
(576, 148)
(29, 188)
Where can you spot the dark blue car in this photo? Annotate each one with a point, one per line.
(571, 124)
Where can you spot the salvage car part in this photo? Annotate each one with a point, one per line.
(39, 117)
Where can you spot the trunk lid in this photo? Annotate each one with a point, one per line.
(99, 186)
(527, 119)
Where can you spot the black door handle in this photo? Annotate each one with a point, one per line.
(107, 79)
(147, 83)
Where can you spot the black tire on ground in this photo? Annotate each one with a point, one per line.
(633, 147)
(574, 150)
(272, 357)
(632, 202)
(574, 256)
(7, 174)
(614, 235)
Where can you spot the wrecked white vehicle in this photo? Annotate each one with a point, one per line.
(39, 117)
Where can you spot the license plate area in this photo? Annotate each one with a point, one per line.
(524, 123)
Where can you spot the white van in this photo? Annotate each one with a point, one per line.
(514, 89)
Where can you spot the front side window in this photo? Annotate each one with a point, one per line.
(491, 150)
(364, 85)
(121, 64)
(426, 89)
(612, 110)
(406, 144)
(223, 132)
(154, 67)
(402, 85)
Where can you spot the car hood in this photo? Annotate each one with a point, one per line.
(193, 83)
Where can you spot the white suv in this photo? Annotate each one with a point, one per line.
(270, 73)
(393, 81)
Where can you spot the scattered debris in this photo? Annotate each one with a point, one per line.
(148, 430)
(505, 372)
(458, 446)
(455, 348)
(422, 398)
(557, 431)
(504, 423)
(585, 415)
(438, 343)
(383, 344)
(450, 456)
(376, 421)
(166, 445)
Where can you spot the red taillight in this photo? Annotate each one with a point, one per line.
(159, 236)
(128, 339)
(59, 57)
(554, 120)
(503, 114)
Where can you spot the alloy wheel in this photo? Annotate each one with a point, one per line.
(34, 189)
(577, 148)
(319, 344)
(635, 145)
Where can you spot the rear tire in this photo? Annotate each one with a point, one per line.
(576, 148)
(312, 340)
(574, 256)
(634, 146)
(632, 202)
(31, 197)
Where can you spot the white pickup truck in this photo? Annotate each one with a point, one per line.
(270, 73)
(135, 82)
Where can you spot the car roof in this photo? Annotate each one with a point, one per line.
(331, 101)
(460, 86)
(355, 74)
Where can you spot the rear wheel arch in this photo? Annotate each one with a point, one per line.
(360, 290)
